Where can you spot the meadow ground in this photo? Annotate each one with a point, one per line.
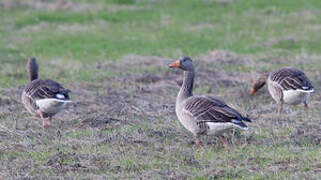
(113, 55)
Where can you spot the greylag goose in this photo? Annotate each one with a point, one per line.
(43, 97)
(286, 86)
(203, 115)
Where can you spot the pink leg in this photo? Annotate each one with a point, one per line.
(198, 142)
(307, 109)
(50, 120)
(280, 107)
(41, 115)
(46, 123)
(225, 142)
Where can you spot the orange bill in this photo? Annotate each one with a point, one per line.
(175, 64)
(253, 91)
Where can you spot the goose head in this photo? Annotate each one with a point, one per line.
(185, 63)
(258, 82)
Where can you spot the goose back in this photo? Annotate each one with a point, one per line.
(289, 85)
(291, 78)
(39, 90)
(207, 113)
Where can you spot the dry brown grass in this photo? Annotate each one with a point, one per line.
(52, 5)
(126, 127)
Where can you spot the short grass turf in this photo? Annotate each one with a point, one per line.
(113, 55)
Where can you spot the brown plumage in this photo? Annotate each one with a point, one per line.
(287, 86)
(203, 115)
(43, 97)
(291, 79)
(209, 109)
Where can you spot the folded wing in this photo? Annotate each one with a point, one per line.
(292, 79)
(208, 109)
(46, 89)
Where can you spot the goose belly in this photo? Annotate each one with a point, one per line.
(51, 106)
(188, 122)
(274, 90)
(28, 103)
(220, 128)
(295, 97)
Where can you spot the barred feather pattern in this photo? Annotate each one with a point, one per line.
(208, 109)
(291, 78)
(42, 89)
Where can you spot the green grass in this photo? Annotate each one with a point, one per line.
(100, 51)
(166, 29)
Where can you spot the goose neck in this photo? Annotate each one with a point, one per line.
(187, 86)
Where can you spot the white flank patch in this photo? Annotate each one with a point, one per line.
(305, 91)
(60, 96)
(51, 105)
(295, 96)
(220, 128)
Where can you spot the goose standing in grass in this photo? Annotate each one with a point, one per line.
(287, 86)
(203, 115)
(43, 97)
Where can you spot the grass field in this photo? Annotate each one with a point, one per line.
(113, 55)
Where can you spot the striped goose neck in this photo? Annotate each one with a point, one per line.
(260, 81)
(187, 86)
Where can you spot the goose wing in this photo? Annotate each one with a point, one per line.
(208, 109)
(45, 89)
(292, 79)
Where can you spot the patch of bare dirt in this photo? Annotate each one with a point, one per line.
(148, 78)
(68, 5)
(140, 101)
(314, 27)
(305, 15)
(125, 7)
(199, 27)
(34, 28)
(220, 1)
(134, 92)
(100, 122)
(114, 102)
(222, 56)
(76, 28)
(52, 5)
(272, 42)
(307, 135)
